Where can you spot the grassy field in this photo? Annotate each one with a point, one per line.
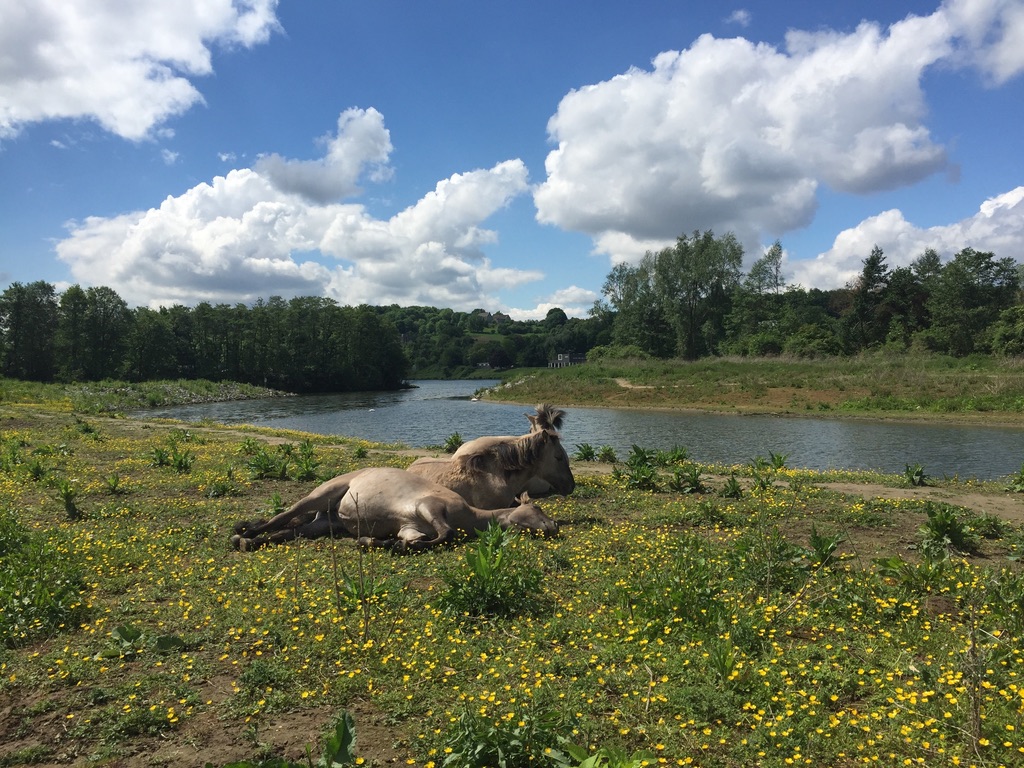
(893, 386)
(685, 615)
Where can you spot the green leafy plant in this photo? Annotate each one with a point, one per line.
(673, 457)
(264, 465)
(160, 457)
(306, 464)
(945, 531)
(687, 479)
(777, 460)
(360, 452)
(732, 488)
(182, 460)
(585, 452)
(498, 581)
(823, 548)
(452, 442)
(609, 757)
(914, 475)
(1016, 484)
(67, 493)
(113, 484)
(606, 454)
(475, 740)
(129, 640)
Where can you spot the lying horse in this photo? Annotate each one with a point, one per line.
(490, 472)
(386, 507)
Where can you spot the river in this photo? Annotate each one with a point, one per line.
(427, 414)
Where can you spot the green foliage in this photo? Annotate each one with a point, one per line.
(40, 588)
(606, 454)
(732, 488)
(306, 463)
(452, 442)
(585, 452)
(687, 479)
(267, 465)
(1016, 484)
(129, 640)
(915, 476)
(498, 582)
(68, 495)
(530, 738)
(823, 548)
(945, 531)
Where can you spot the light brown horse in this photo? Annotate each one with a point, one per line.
(386, 507)
(490, 472)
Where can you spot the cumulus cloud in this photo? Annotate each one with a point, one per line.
(574, 301)
(276, 229)
(733, 135)
(129, 66)
(361, 143)
(997, 227)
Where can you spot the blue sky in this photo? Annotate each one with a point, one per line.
(495, 155)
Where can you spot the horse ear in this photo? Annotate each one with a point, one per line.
(533, 421)
(523, 498)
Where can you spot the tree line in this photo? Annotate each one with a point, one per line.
(693, 300)
(690, 300)
(306, 344)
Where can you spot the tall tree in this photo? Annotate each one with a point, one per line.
(28, 325)
(109, 320)
(639, 315)
(866, 321)
(694, 280)
(72, 342)
(968, 296)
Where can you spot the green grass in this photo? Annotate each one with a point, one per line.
(905, 386)
(689, 626)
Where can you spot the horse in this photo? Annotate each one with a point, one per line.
(386, 507)
(490, 472)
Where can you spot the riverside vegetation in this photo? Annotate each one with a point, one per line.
(688, 614)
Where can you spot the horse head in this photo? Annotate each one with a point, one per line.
(529, 517)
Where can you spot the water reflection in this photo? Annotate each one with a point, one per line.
(431, 412)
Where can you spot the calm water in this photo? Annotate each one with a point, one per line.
(431, 412)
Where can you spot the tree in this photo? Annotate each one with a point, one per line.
(108, 321)
(72, 340)
(639, 318)
(967, 297)
(28, 325)
(866, 323)
(694, 281)
(754, 325)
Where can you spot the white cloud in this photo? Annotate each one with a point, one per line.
(251, 233)
(732, 135)
(362, 141)
(741, 16)
(169, 157)
(127, 65)
(997, 227)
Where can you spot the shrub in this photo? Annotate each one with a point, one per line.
(453, 442)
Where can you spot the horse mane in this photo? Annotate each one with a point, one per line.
(547, 417)
(509, 455)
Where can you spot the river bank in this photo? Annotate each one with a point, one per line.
(984, 391)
